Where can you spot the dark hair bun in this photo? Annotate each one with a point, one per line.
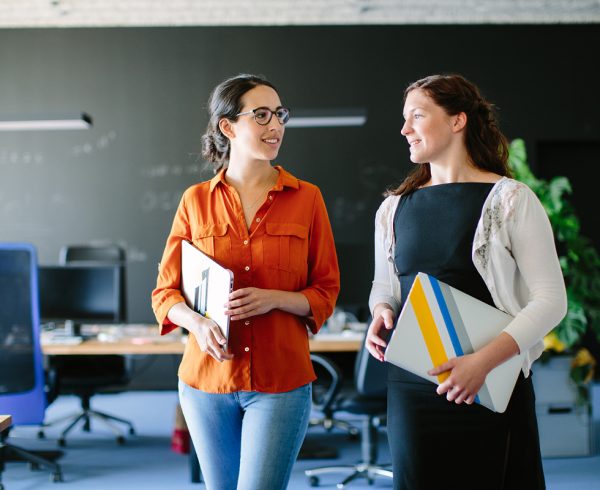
(215, 147)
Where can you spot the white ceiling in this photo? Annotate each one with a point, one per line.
(109, 13)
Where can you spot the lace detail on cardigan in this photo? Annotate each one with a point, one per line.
(498, 210)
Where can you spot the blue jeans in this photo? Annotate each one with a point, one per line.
(246, 440)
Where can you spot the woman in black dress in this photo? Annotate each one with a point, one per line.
(461, 218)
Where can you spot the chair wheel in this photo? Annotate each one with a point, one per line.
(120, 440)
(131, 431)
(56, 477)
(41, 435)
(61, 442)
(313, 481)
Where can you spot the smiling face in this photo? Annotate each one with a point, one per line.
(430, 132)
(250, 140)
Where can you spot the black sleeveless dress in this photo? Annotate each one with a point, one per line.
(435, 443)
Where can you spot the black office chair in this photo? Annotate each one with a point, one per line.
(86, 376)
(99, 255)
(23, 386)
(370, 401)
(325, 395)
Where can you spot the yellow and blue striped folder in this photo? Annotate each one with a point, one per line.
(439, 322)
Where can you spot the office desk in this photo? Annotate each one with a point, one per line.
(152, 343)
(5, 422)
(172, 343)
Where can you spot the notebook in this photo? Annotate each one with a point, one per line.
(439, 322)
(205, 285)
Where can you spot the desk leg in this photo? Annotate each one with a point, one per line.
(2, 458)
(195, 473)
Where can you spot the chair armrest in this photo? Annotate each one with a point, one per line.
(326, 401)
(50, 385)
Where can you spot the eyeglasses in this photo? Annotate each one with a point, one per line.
(263, 115)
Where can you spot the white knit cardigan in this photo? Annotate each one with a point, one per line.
(513, 251)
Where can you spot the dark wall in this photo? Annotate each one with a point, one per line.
(146, 89)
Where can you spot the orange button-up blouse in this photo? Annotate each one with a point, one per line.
(288, 247)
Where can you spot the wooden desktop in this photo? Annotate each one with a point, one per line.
(5, 422)
(144, 340)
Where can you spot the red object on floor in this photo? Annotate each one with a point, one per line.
(180, 441)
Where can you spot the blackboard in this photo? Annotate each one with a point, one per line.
(146, 89)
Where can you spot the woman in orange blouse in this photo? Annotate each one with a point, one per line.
(247, 408)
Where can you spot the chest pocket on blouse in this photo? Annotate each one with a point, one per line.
(213, 240)
(286, 246)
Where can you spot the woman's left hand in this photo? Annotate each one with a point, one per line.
(247, 302)
(467, 375)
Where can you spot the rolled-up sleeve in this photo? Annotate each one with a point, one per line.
(168, 283)
(381, 290)
(323, 284)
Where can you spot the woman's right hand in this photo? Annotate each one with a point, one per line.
(209, 338)
(383, 319)
(206, 332)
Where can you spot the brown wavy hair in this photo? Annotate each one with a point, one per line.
(225, 101)
(486, 146)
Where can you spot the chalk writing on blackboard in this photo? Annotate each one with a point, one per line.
(17, 157)
(348, 210)
(157, 171)
(19, 211)
(89, 147)
(376, 177)
(157, 200)
(21, 202)
(164, 170)
(204, 168)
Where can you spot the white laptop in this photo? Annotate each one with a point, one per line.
(205, 285)
(439, 322)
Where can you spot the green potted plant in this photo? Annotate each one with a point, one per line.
(580, 264)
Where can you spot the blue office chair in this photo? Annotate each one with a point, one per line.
(22, 378)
